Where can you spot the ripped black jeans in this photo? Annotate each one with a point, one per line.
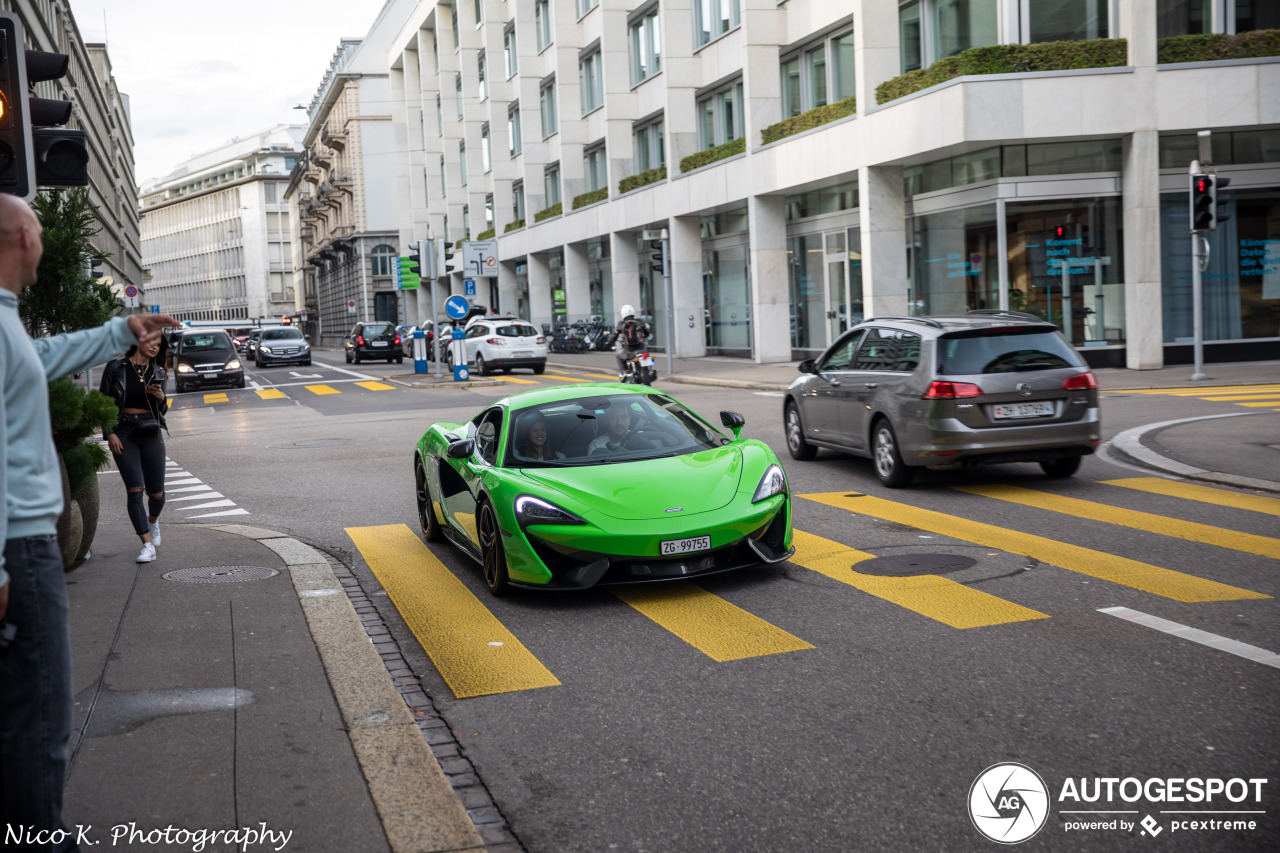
(142, 469)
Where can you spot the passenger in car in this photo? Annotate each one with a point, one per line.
(532, 442)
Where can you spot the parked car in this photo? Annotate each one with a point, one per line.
(947, 392)
(503, 343)
(281, 345)
(529, 488)
(373, 339)
(206, 358)
(406, 339)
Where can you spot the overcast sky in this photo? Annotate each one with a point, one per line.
(199, 74)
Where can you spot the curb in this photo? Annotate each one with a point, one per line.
(1129, 447)
(416, 801)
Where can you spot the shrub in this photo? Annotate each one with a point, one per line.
(1008, 59)
(590, 198)
(74, 414)
(487, 235)
(553, 210)
(1211, 46)
(711, 155)
(513, 225)
(643, 179)
(809, 120)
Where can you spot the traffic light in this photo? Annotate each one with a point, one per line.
(1204, 202)
(655, 255)
(425, 252)
(1059, 232)
(443, 267)
(15, 133)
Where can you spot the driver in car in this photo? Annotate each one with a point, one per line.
(617, 425)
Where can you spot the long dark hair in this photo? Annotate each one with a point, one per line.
(161, 355)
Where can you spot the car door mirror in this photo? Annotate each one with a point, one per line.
(809, 366)
(461, 449)
(733, 421)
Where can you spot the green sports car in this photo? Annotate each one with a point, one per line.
(566, 488)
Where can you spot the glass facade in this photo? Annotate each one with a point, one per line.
(727, 288)
(1183, 17)
(825, 284)
(600, 281)
(961, 24)
(1067, 20)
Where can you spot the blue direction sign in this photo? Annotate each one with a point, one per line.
(456, 307)
(155, 309)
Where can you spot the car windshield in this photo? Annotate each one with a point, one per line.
(605, 429)
(374, 330)
(1004, 351)
(281, 335)
(202, 341)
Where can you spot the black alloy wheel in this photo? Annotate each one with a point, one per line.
(431, 530)
(799, 448)
(890, 468)
(492, 558)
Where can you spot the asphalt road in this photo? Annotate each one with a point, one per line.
(872, 736)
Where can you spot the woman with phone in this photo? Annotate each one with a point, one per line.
(136, 382)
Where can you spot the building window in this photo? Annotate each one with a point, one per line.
(510, 59)
(645, 45)
(439, 115)
(1183, 17)
(453, 15)
(1195, 17)
(585, 6)
(517, 200)
(542, 23)
(1255, 15)
(590, 82)
(594, 168)
(1065, 20)
(818, 74)
(720, 115)
(381, 259)
(457, 93)
(484, 91)
(443, 184)
(514, 145)
(486, 153)
(488, 212)
(650, 151)
(935, 29)
(547, 104)
(479, 9)
(466, 221)
(551, 184)
(462, 161)
(714, 18)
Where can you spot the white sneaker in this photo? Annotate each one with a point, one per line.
(147, 554)
(155, 533)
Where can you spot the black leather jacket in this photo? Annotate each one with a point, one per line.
(113, 385)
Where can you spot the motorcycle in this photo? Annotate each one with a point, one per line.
(640, 370)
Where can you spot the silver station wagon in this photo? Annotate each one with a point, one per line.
(947, 392)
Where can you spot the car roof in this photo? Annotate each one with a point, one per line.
(560, 393)
(978, 319)
(494, 318)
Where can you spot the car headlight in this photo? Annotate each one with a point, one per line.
(264, 349)
(306, 347)
(234, 364)
(774, 482)
(531, 510)
(183, 367)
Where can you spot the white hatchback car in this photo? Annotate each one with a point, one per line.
(503, 343)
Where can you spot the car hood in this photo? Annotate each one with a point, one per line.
(651, 488)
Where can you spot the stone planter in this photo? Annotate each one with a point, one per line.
(88, 498)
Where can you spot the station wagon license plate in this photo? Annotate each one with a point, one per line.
(523, 354)
(685, 546)
(380, 343)
(1023, 410)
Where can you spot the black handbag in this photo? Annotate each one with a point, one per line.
(142, 425)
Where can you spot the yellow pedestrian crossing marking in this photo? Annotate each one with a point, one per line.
(610, 377)
(1120, 570)
(321, 389)
(474, 652)
(270, 394)
(377, 386)
(517, 380)
(1236, 398)
(936, 597)
(1199, 392)
(216, 398)
(713, 626)
(1191, 531)
(1204, 494)
(563, 378)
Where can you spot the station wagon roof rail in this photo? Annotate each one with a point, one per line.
(925, 320)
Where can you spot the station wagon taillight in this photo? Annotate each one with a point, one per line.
(950, 390)
(1081, 382)
(360, 340)
(497, 342)
(397, 340)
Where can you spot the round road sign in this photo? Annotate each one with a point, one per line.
(130, 291)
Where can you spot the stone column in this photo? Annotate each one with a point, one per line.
(539, 289)
(1144, 328)
(507, 287)
(875, 49)
(577, 289)
(884, 240)
(624, 261)
(770, 300)
(686, 285)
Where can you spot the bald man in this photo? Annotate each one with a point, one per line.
(35, 643)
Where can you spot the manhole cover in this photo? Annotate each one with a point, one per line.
(905, 565)
(321, 442)
(221, 574)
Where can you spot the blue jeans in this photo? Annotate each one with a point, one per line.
(35, 693)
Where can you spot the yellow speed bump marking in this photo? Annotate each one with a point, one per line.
(938, 598)
(517, 380)
(1250, 543)
(1200, 392)
(270, 394)
(216, 398)
(1204, 494)
(610, 377)
(713, 626)
(564, 378)
(1121, 570)
(474, 652)
(321, 389)
(377, 386)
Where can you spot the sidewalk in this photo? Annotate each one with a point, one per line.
(242, 694)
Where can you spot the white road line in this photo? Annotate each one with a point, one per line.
(210, 504)
(197, 497)
(190, 489)
(191, 482)
(1195, 635)
(228, 512)
(768, 393)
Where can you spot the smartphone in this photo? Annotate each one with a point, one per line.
(158, 376)
(7, 632)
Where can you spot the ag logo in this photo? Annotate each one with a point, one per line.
(1008, 803)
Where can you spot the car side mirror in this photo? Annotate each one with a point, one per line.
(808, 366)
(733, 421)
(461, 449)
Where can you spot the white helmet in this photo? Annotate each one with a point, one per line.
(627, 311)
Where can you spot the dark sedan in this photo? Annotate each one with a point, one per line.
(204, 359)
(282, 345)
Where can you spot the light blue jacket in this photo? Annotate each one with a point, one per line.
(29, 478)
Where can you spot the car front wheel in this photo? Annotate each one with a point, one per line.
(481, 367)
(890, 468)
(1058, 468)
(492, 557)
(800, 449)
(426, 512)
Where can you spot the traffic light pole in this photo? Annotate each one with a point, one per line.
(671, 308)
(1199, 260)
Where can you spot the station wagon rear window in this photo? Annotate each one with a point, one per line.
(1004, 351)
(520, 331)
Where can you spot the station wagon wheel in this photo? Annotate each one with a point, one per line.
(481, 367)
(426, 512)
(492, 557)
(890, 468)
(1058, 468)
(800, 449)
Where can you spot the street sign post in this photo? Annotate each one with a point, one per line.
(130, 296)
(480, 258)
(457, 307)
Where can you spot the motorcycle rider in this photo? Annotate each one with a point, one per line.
(632, 333)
